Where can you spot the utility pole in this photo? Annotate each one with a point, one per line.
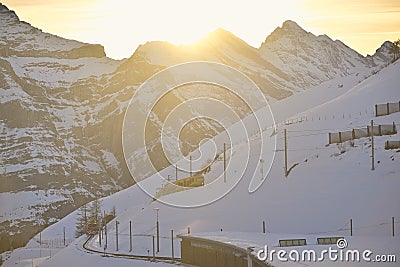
(351, 227)
(100, 234)
(116, 234)
(190, 158)
(285, 140)
(105, 233)
(372, 145)
(262, 168)
(224, 163)
(154, 252)
(393, 226)
(172, 245)
(130, 236)
(85, 215)
(64, 236)
(264, 227)
(157, 230)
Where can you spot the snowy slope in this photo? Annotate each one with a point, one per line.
(330, 184)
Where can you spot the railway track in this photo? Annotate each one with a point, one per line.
(127, 256)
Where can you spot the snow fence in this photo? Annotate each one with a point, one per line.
(392, 144)
(386, 109)
(379, 130)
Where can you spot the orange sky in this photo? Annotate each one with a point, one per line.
(121, 25)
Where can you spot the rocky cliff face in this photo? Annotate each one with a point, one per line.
(311, 59)
(20, 39)
(61, 111)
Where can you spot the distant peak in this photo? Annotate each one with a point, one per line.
(221, 33)
(290, 24)
(387, 44)
(289, 28)
(3, 7)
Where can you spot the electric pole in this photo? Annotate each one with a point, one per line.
(130, 236)
(190, 158)
(154, 252)
(262, 168)
(105, 233)
(224, 163)
(157, 230)
(393, 233)
(351, 227)
(172, 245)
(372, 145)
(285, 140)
(116, 234)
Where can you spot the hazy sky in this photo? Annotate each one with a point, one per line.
(121, 25)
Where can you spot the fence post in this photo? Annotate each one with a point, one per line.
(116, 234)
(330, 138)
(372, 146)
(154, 249)
(394, 128)
(380, 130)
(353, 134)
(351, 227)
(130, 236)
(387, 108)
(172, 245)
(376, 110)
(392, 226)
(340, 137)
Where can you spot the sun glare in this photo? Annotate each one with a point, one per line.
(123, 25)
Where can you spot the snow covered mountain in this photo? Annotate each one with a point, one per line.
(290, 60)
(328, 186)
(62, 104)
(60, 116)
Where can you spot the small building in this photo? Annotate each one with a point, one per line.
(205, 252)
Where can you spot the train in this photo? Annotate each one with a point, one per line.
(92, 228)
(196, 180)
(191, 181)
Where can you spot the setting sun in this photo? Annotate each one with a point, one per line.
(123, 25)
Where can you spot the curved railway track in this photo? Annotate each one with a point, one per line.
(127, 256)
